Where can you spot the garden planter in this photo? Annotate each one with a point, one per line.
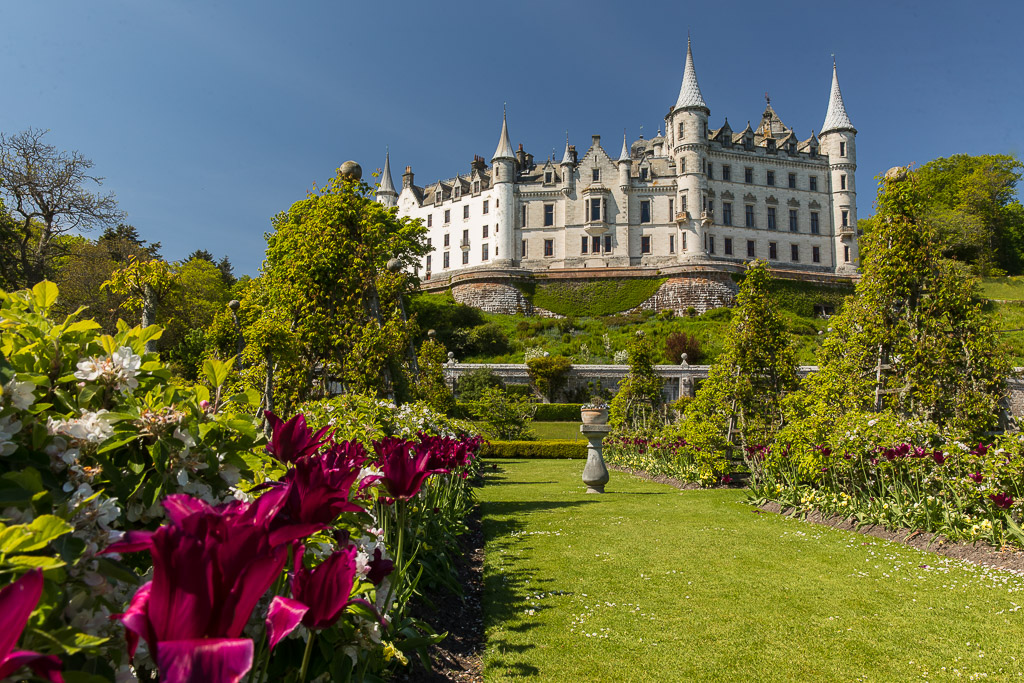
(594, 416)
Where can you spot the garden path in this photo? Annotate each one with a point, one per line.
(649, 583)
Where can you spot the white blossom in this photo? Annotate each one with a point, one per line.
(8, 428)
(90, 427)
(20, 393)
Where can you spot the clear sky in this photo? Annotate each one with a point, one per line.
(207, 117)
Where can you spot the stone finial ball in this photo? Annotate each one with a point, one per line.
(431, 334)
(394, 265)
(351, 170)
(896, 173)
(234, 304)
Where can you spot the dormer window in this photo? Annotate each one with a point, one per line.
(457, 192)
(771, 146)
(748, 142)
(547, 177)
(438, 196)
(792, 148)
(813, 150)
(643, 173)
(476, 187)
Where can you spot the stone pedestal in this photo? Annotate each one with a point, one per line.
(595, 474)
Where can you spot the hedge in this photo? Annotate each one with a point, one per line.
(546, 412)
(575, 450)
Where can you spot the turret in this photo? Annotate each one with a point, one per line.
(624, 163)
(568, 165)
(386, 194)
(838, 142)
(688, 130)
(503, 169)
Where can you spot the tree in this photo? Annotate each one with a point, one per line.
(678, 343)
(638, 399)
(471, 386)
(914, 340)
(123, 241)
(202, 254)
(326, 274)
(507, 417)
(549, 374)
(431, 386)
(47, 194)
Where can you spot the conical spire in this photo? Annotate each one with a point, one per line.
(689, 92)
(836, 117)
(567, 157)
(386, 185)
(504, 150)
(624, 154)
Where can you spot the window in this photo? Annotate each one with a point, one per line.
(842, 181)
(456, 192)
(711, 209)
(485, 232)
(813, 180)
(476, 187)
(682, 164)
(428, 263)
(728, 246)
(495, 232)
(727, 213)
(794, 252)
(726, 172)
(671, 244)
(583, 244)
(447, 240)
(594, 208)
(549, 214)
(430, 242)
(645, 244)
(439, 196)
(770, 178)
(711, 244)
(547, 176)
(748, 175)
(484, 252)
(846, 218)
(447, 259)
(465, 236)
(684, 202)
(524, 248)
(465, 212)
(596, 174)
(549, 247)
(705, 129)
(749, 215)
(671, 209)
(643, 173)
(792, 179)
(773, 251)
(846, 253)
(487, 206)
(524, 216)
(816, 254)
(645, 211)
(447, 216)
(793, 227)
(771, 217)
(607, 244)
(681, 129)
(750, 248)
(595, 244)
(711, 171)
(430, 220)
(842, 148)
(465, 257)
(815, 229)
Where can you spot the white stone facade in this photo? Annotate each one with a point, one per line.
(692, 195)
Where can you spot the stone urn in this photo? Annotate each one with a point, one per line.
(594, 414)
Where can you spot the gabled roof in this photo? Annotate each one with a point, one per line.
(836, 117)
(689, 91)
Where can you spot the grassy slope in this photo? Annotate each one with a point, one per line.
(650, 583)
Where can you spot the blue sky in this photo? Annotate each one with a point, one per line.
(207, 117)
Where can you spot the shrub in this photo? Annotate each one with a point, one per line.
(678, 343)
(639, 396)
(471, 387)
(549, 374)
(505, 416)
(489, 340)
(575, 450)
(718, 314)
(557, 412)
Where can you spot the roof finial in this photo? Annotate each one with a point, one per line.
(767, 98)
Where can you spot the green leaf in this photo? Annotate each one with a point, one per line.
(44, 294)
(29, 537)
(43, 562)
(114, 569)
(28, 479)
(216, 371)
(70, 640)
(117, 443)
(82, 326)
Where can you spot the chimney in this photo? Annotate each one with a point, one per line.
(521, 156)
(407, 178)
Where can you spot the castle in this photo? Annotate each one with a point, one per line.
(691, 197)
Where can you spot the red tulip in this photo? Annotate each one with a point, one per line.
(210, 567)
(1002, 500)
(976, 476)
(402, 472)
(291, 440)
(17, 601)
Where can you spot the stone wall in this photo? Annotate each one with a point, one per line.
(702, 293)
(492, 297)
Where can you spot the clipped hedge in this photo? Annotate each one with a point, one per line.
(558, 412)
(548, 450)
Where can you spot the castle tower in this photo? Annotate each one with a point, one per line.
(503, 178)
(624, 163)
(838, 142)
(688, 130)
(386, 194)
(568, 169)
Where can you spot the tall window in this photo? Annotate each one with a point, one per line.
(773, 251)
(465, 236)
(711, 171)
(524, 216)
(846, 218)
(726, 172)
(607, 244)
(793, 227)
(487, 206)
(842, 148)
(465, 257)
(447, 259)
(771, 217)
(485, 232)
(846, 253)
(671, 244)
(583, 244)
(770, 178)
(524, 249)
(815, 228)
(794, 252)
(816, 254)
(438, 196)
(645, 244)
(484, 253)
(476, 187)
(750, 248)
(842, 181)
(594, 208)
(430, 220)
(547, 176)
(549, 215)
(447, 216)
(595, 244)
(645, 210)
(465, 212)
(596, 174)
(727, 213)
(748, 175)
(728, 246)
(813, 180)
(792, 179)
(428, 263)
(671, 209)
(447, 240)
(549, 247)
(749, 215)
(711, 244)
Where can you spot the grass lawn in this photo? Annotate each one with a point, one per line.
(1009, 288)
(557, 430)
(648, 583)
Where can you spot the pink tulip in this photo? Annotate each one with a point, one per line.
(291, 440)
(402, 471)
(17, 601)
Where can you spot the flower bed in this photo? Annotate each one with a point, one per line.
(162, 512)
(669, 455)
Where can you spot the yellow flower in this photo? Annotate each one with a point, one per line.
(392, 652)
